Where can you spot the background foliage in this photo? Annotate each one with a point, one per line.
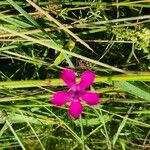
(38, 40)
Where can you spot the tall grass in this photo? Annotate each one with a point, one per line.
(40, 39)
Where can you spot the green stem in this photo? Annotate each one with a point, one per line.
(59, 82)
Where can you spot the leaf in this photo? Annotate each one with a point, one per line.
(70, 46)
(17, 7)
(93, 121)
(59, 59)
(135, 89)
(27, 16)
(121, 126)
(17, 118)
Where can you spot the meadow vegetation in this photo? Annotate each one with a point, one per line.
(38, 39)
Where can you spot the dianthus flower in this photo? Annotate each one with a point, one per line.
(76, 93)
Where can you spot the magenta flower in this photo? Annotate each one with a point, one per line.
(76, 92)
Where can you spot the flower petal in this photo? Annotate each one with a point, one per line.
(75, 109)
(60, 98)
(87, 79)
(91, 98)
(68, 76)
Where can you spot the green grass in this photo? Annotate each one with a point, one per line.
(38, 40)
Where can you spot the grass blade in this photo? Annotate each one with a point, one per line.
(56, 47)
(50, 18)
(122, 124)
(25, 14)
(16, 136)
(132, 88)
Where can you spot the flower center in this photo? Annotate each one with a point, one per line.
(76, 92)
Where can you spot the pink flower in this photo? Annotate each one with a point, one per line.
(76, 92)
